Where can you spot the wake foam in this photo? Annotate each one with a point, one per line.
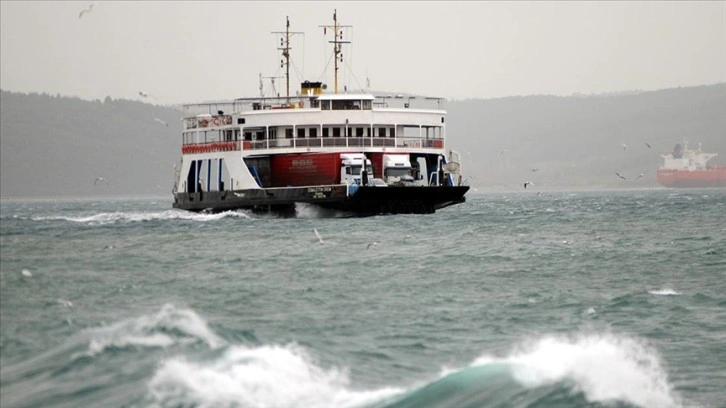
(604, 368)
(168, 327)
(121, 217)
(267, 376)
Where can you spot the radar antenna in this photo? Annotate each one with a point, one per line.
(337, 41)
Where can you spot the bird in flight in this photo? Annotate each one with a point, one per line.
(161, 121)
(86, 10)
(528, 183)
(624, 146)
(648, 144)
(641, 174)
(620, 175)
(534, 170)
(146, 95)
(317, 234)
(101, 179)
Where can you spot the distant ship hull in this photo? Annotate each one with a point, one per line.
(711, 177)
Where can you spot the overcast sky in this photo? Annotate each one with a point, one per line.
(191, 51)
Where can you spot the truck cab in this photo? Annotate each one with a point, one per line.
(352, 170)
(397, 170)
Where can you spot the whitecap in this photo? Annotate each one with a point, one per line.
(26, 273)
(168, 327)
(266, 376)
(664, 292)
(604, 367)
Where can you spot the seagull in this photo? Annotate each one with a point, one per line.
(528, 183)
(619, 175)
(86, 10)
(641, 174)
(161, 121)
(318, 235)
(101, 179)
(624, 146)
(534, 170)
(648, 144)
(146, 95)
(372, 244)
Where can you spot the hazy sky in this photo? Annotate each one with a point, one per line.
(194, 51)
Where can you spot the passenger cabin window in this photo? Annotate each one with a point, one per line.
(367, 105)
(382, 132)
(326, 132)
(346, 105)
(325, 105)
(313, 132)
(359, 132)
(336, 132)
(288, 133)
(301, 133)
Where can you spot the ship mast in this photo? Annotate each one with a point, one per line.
(285, 48)
(337, 41)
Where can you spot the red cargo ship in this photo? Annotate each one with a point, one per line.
(357, 152)
(684, 168)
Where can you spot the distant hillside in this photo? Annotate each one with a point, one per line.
(54, 146)
(577, 141)
(57, 146)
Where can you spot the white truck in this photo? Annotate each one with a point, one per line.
(351, 170)
(397, 170)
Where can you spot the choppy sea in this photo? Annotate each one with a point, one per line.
(521, 299)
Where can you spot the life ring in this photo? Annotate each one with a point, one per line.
(216, 121)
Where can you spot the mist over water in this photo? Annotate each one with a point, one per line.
(559, 299)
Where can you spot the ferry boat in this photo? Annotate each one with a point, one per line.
(360, 153)
(684, 168)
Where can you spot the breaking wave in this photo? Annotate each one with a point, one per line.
(554, 371)
(267, 376)
(168, 327)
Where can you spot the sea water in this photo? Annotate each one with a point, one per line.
(549, 299)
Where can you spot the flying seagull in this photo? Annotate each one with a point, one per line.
(146, 95)
(624, 146)
(641, 174)
(528, 183)
(101, 179)
(161, 121)
(619, 175)
(372, 244)
(86, 10)
(648, 144)
(318, 235)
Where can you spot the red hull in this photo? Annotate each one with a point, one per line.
(712, 177)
